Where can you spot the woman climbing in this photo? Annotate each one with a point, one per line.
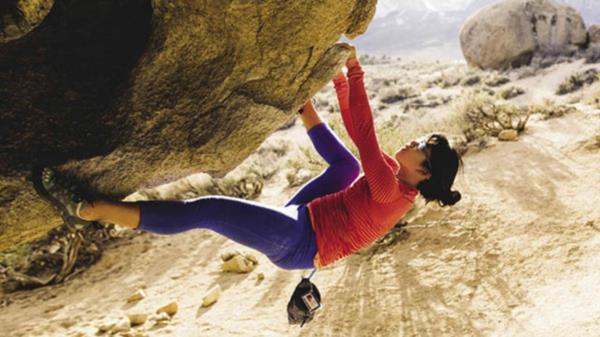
(330, 217)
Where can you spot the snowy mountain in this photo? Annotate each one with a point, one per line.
(402, 26)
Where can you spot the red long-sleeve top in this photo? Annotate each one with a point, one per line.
(351, 219)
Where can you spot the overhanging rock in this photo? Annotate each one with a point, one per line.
(124, 95)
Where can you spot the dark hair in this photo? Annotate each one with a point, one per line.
(443, 163)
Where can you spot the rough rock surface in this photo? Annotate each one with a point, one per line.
(18, 18)
(122, 95)
(508, 33)
(594, 33)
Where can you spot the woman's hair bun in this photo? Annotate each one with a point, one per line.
(451, 198)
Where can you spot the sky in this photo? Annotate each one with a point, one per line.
(386, 6)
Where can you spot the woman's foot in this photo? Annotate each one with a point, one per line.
(64, 195)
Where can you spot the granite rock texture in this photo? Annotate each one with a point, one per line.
(124, 95)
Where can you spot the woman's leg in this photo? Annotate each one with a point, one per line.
(282, 234)
(124, 214)
(343, 166)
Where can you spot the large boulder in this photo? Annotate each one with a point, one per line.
(123, 95)
(594, 33)
(510, 32)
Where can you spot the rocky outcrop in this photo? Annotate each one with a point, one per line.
(594, 33)
(508, 33)
(18, 18)
(123, 95)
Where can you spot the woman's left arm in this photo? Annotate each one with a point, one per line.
(380, 177)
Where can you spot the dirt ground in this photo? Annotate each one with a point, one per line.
(519, 255)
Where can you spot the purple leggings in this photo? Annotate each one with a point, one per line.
(283, 234)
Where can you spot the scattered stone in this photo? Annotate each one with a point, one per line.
(137, 296)
(137, 319)
(121, 326)
(238, 263)
(170, 309)
(162, 316)
(508, 135)
(67, 323)
(106, 327)
(160, 320)
(53, 307)
(260, 277)
(134, 334)
(511, 92)
(211, 296)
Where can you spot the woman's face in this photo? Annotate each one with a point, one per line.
(411, 157)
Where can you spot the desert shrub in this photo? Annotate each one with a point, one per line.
(382, 107)
(549, 109)
(484, 90)
(511, 92)
(247, 186)
(301, 169)
(393, 95)
(486, 118)
(471, 80)
(495, 80)
(445, 81)
(367, 59)
(577, 80)
(429, 101)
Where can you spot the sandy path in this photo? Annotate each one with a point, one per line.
(518, 256)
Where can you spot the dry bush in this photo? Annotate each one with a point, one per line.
(591, 95)
(470, 81)
(495, 80)
(445, 81)
(511, 92)
(301, 169)
(393, 95)
(62, 253)
(484, 90)
(247, 186)
(429, 101)
(549, 109)
(577, 80)
(377, 85)
(486, 118)
(367, 59)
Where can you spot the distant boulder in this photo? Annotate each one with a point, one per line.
(594, 33)
(510, 32)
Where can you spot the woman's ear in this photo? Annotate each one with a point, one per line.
(424, 173)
